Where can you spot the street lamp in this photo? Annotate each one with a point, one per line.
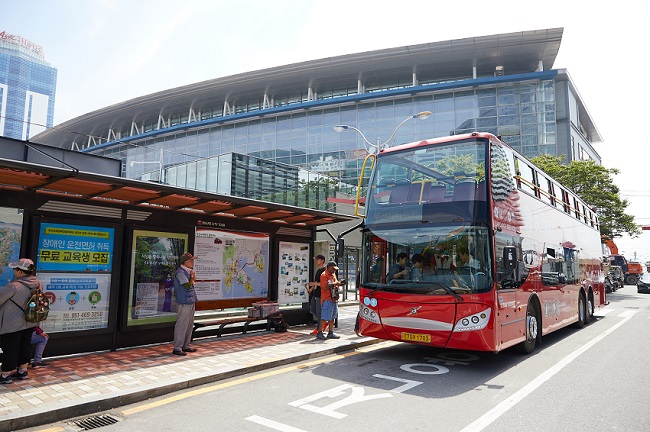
(160, 162)
(421, 115)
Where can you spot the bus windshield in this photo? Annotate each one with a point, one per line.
(429, 183)
(451, 259)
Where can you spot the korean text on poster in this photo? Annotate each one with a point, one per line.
(75, 248)
(77, 301)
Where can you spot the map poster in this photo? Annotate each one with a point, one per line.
(230, 265)
(71, 248)
(11, 223)
(155, 256)
(77, 301)
(293, 272)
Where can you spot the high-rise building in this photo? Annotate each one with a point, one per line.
(27, 88)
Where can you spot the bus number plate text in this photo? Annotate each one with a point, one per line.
(416, 337)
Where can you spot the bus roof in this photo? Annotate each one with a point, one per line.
(439, 140)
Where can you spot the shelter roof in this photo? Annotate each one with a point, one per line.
(91, 188)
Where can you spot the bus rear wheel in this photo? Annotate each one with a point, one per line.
(589, 316)
(582, 312)
(532, 330)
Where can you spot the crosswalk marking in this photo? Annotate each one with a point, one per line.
(603, 312)
(625, 313)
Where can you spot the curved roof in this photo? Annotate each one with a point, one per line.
(519, 52)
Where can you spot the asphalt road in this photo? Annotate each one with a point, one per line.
(592, 379)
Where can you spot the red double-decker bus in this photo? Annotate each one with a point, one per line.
(468, 245)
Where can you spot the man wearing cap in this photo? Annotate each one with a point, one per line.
(15, 332)
(329, 304)
(186, 299)
(314, 292)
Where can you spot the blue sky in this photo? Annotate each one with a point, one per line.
(109, 51)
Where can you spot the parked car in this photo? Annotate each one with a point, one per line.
(643, 284)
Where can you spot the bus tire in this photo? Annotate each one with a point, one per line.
(532, 330)
(589, 316)
(582, 312)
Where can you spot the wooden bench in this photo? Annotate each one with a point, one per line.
(223, 322)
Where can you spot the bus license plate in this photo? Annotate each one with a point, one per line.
(416, 337)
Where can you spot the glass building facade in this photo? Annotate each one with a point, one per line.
(523, 114)
(252, 177)
(27, 88)
(285, 116)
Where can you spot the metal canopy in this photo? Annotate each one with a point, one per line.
(99, 189)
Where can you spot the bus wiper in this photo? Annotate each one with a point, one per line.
(451, 291)
(378, 288)
(444, 287)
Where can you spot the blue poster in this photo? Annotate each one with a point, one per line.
(75, 248)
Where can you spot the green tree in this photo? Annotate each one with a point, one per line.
(594, 184)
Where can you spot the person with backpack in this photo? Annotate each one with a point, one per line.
(314, 293)
(15, 330)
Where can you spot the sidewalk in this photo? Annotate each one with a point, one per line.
(79, 385)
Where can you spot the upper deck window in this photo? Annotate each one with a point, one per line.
(406, 183)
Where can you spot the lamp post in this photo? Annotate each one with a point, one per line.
(160, 163)
(421, 115)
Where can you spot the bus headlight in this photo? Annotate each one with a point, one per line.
(370, 301)
(369, 315)
(477, 321)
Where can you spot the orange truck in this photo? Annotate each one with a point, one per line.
(632, 270)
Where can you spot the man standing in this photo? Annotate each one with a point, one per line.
(186, 299)
(329, 286)
(15, 331)
(315, 293)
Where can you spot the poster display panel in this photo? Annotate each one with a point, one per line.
(230, 265)
(75, 248)
(74, 264)
(11, 229)
(293, 272)
(77, 301)
(155, 258)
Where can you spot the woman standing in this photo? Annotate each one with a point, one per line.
(15, 331)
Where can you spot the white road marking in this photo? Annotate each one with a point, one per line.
(603, 312)
(273, 424)
(628, 314)
(486, 419)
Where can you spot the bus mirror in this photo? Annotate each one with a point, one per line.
(510, 257)
(340, 248)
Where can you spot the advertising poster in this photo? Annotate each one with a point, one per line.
(293, 272)
(11, 222)
(75, 248)
(74, 264)
(230, 265)
(155, 258)
(77, 301)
